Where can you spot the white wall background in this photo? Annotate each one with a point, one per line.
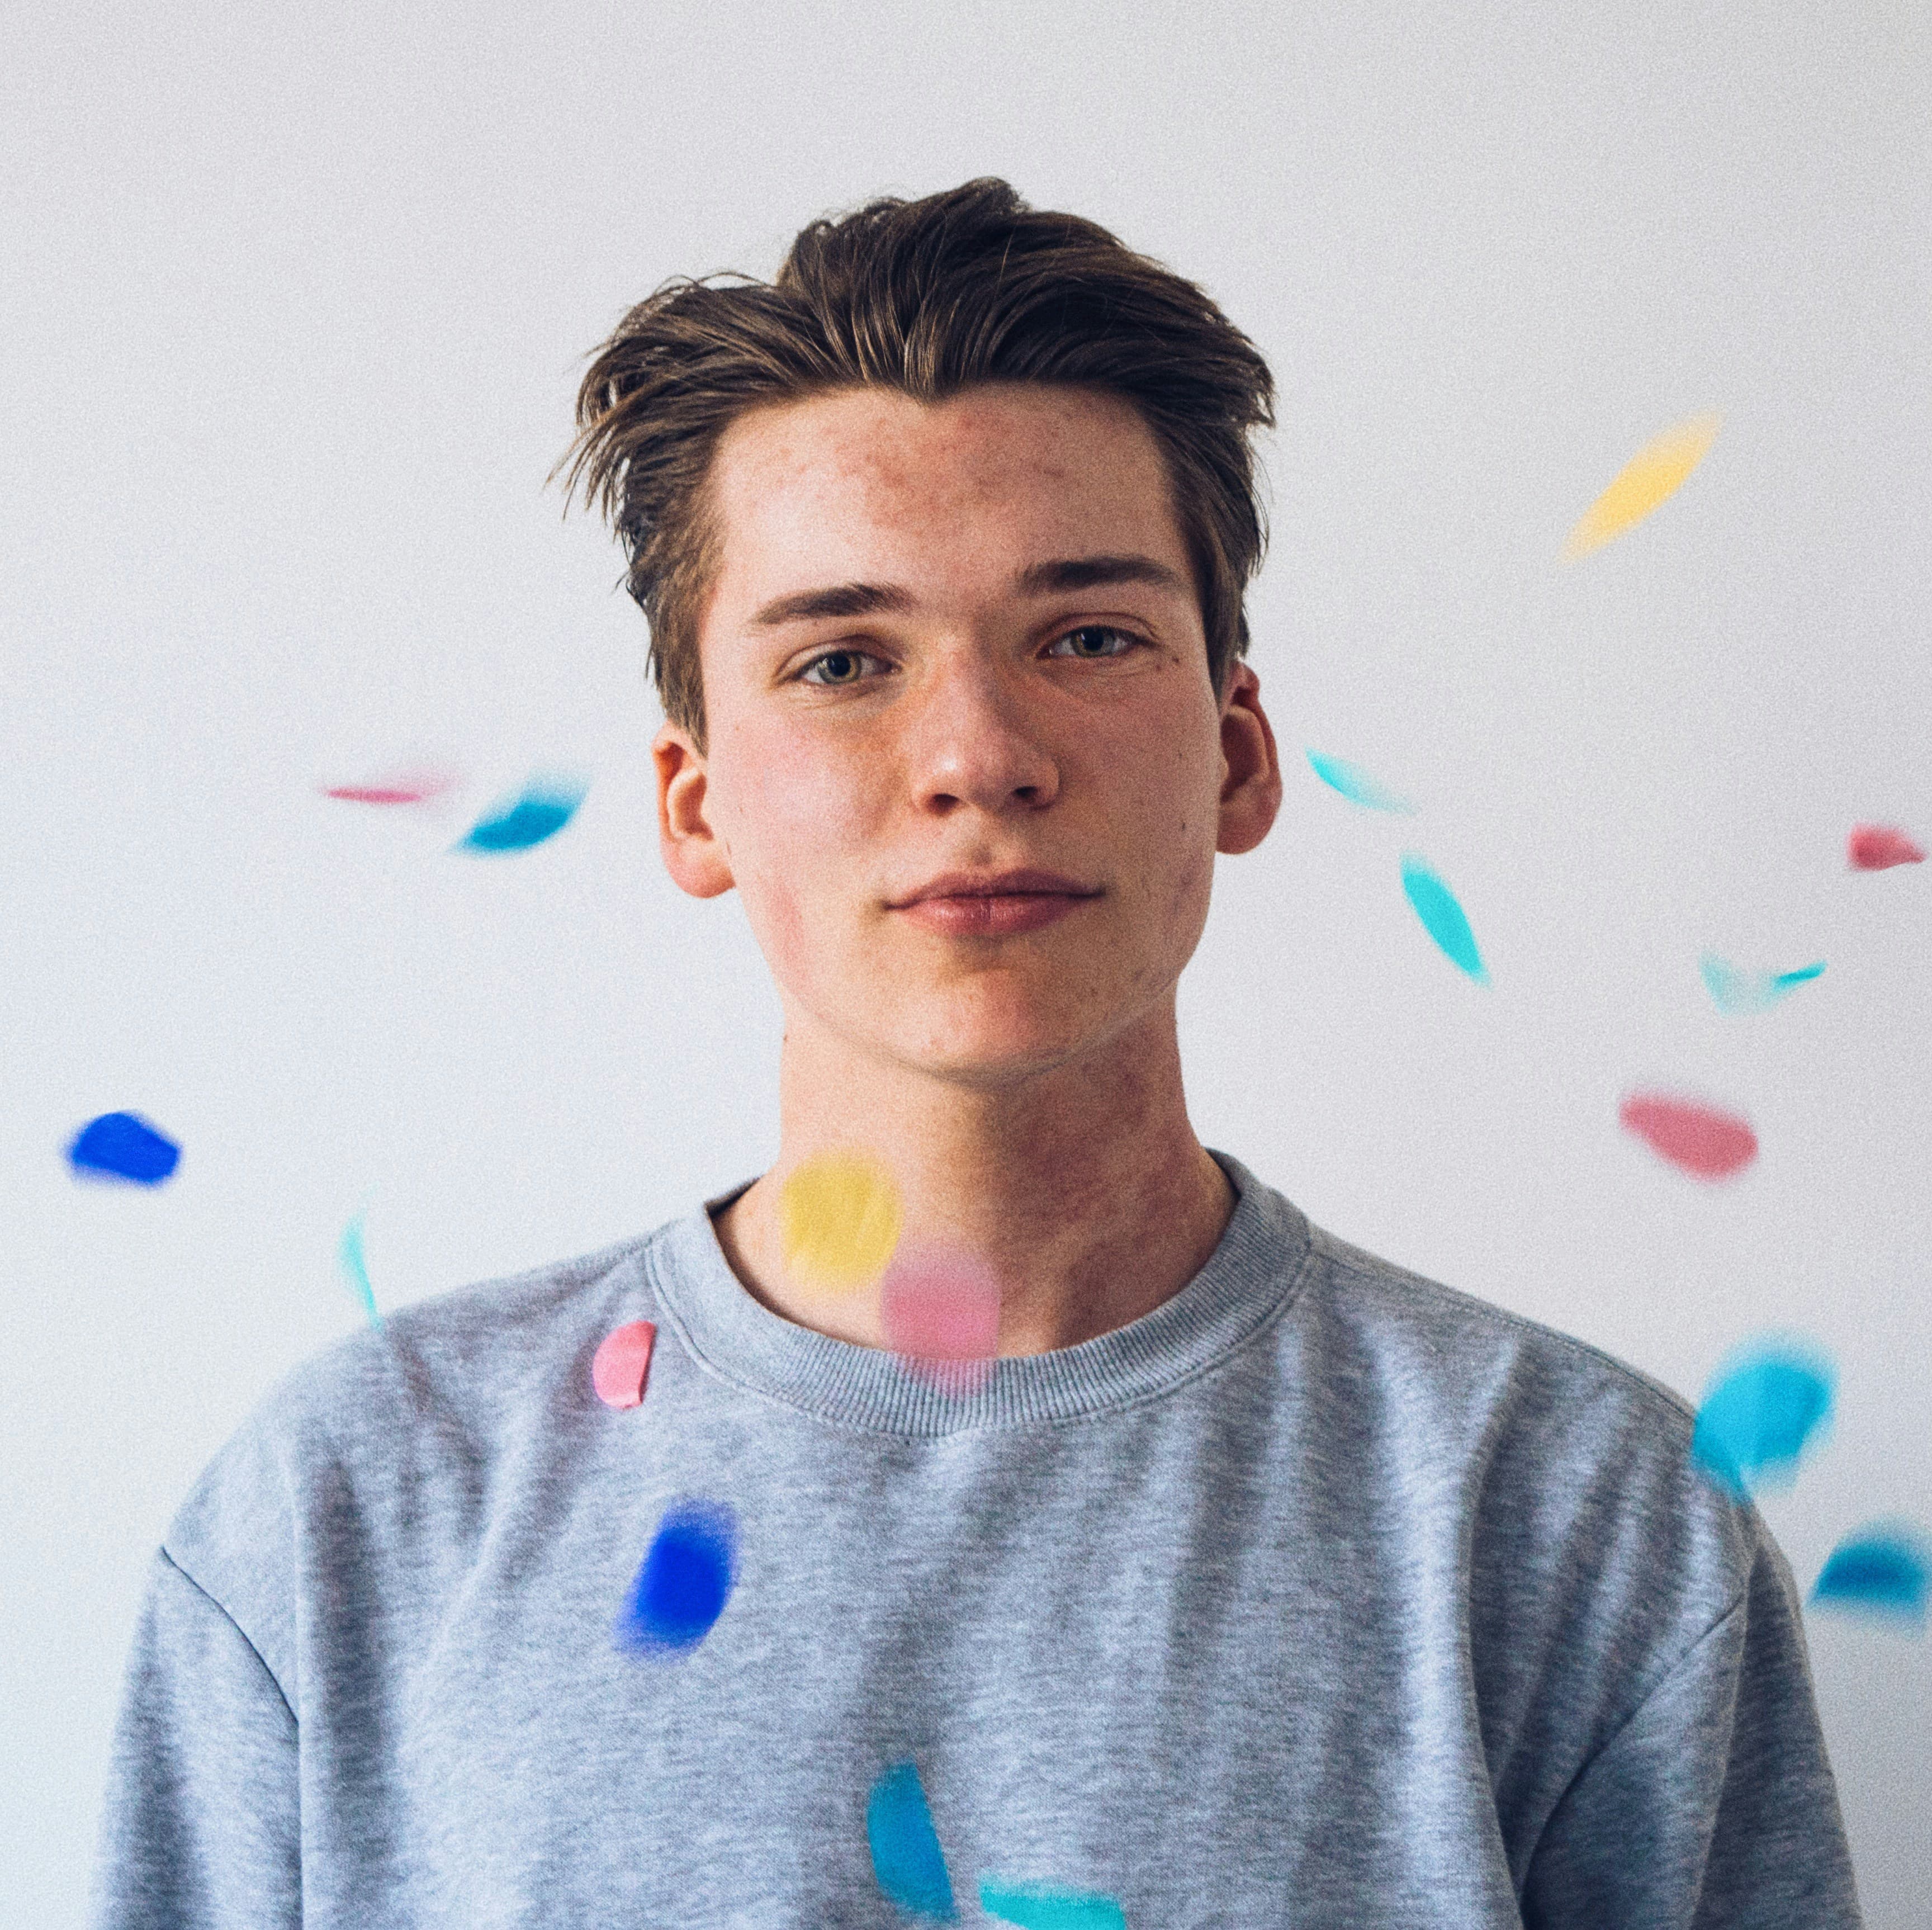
(293, 307)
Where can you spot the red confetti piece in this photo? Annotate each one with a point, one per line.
(404, 788)
(1879, 847)
(941, 1312)
(622, 1363)
(1697, 1139)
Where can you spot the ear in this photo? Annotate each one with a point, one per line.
(694, 853)
(1251, 791)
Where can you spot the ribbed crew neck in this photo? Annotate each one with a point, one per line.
(1254, 1271)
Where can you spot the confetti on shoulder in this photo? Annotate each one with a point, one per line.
(1647, 481)
(123, 1145)
(1760, 1414)
(1352, 782)
(1879, 847)
(1044, 1907)
(622, 1364)
(539, 810)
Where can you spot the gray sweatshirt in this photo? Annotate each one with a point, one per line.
(1320, 1595)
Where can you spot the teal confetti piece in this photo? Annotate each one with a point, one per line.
(1759, 1416)
(1735, 990)
(539, 810)
(1442, 917)
(1881, 1570)
(1355, 784)
(350, 1257)
(906, 1859)
(1043, 1907)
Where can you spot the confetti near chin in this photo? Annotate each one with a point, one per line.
(684, 1581)
(907, 1860)
(1880, 1572)
(539, 810)
(1442, 917)
(1041, 1906)
(1760, 1414)
(1735, 990)
(941, 1313)
(1879, 847)
(840, 1215)
(1647, 481)
(622, 1364)
(1695, 1138)
(1354, 784)
(123, 1145)
(350, 1257)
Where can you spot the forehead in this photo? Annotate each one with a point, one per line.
(871, 477)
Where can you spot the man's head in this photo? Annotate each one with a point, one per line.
(943, 538)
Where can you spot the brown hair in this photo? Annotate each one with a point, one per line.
(928, 297)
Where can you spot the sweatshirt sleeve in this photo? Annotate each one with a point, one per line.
(1713, 1807)
(201, 1828)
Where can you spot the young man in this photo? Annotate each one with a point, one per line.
(1255, 1583)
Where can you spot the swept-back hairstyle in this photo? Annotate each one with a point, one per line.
(927, 297)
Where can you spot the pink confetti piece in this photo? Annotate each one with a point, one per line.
(416, 787)
(622, 1363)
(1697, 1139)
(941, 1313)
(1879, 847)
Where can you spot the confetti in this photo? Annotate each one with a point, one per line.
(907, 1860)
(123, 1145)
(1649, 480)
(348, 1256)
(1356, 784)
(1737, 991)
(941, 1312)
(1879, 847)
(1442, 917)
(622, 1363)
(1760, 1414)
(682, 1586)
(1695, 1138)
(540, 811)
(1041, 1906)
(840, 1215)
(412, 787)
(1880, 1570)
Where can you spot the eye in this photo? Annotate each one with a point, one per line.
(837, 666)
(1093, 643)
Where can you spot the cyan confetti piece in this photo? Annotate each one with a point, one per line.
(906, 1859)
(682, 1586)
(1735, 990)
(1442, 916)
(123, 1145)
(1759, 1416)
(1356, 784)
(1880, 1570)
(1040, 1907)
(355, 1269)
(539, 810)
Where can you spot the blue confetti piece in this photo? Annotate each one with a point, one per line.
(1441, 917)
(906, 1859)
(539, 810)
(683, 1582)
(123, 1145)
(1881, 1571)
(1759, 1416)
(1041, 1906)
(1732, 990)
(355, 1269)
(1355, 785)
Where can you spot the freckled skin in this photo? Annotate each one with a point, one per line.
(977, 726)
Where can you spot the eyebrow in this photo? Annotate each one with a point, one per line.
(1055, 577)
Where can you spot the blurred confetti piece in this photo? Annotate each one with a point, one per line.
(681, 1589)
(1356, 784)
(907, 1860)
(404, 787)
(1694, 1137)
(1881, 1570)
(123, 1145)
(539, 810)
(348, 1256)
(622, 1363)
(1740, 992)
(1442, 918)
(840, 1216)
(1649, 479)
(1041, 1906)
(1879, 847)
(941, 1313)
(1758, 1415)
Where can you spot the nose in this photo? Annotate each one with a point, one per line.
(973, 744)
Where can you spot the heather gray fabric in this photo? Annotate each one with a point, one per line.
(1322, 1596)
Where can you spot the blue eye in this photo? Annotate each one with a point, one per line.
(1094, 642)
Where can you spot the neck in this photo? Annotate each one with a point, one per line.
(1082, 1187)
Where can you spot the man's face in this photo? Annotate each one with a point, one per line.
(964, 763)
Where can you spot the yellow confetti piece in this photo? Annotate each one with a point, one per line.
(841, 1216)
(1651, 478)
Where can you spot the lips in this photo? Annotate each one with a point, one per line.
(993, 904)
